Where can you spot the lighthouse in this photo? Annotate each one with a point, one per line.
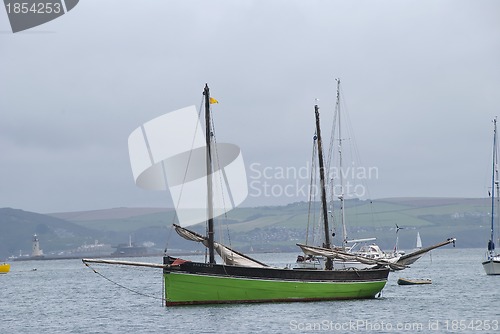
(37, 252)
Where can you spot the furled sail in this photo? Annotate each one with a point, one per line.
(414, 256)
(337, 254)
(228, 255)
(189, 235)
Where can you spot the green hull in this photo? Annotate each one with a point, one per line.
(186, 289)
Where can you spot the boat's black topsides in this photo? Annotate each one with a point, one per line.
(179, 265)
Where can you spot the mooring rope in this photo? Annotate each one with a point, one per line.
(123, 286)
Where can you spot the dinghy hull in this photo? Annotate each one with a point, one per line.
(407, 281)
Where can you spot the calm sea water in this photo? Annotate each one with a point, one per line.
(64, 296)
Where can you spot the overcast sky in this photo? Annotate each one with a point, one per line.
(420, 81)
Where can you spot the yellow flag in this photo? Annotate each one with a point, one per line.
(212, 100)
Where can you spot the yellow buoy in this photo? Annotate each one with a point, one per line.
(4, 268)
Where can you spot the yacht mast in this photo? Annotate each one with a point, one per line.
(210, 209)
(341, 196)
(329, 264)
(494, 186)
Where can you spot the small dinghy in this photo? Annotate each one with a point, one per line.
(408, 281)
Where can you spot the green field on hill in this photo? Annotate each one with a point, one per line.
(264, 227)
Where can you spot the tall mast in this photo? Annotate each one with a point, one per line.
(341, 197)
(494, 182)
(210, 209)
(329, 264)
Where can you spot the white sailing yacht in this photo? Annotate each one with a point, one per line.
(492, 264)
(353, 254)
(348, 254)
(419, 241)
(369, 251)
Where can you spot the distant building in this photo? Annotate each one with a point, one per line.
(130, 249)
(37, 252)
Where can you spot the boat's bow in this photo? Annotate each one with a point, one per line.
(492, 265)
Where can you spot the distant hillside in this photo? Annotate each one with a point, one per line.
(111, 227)
(127, 220)
(273, 228)
(17, 228)
(435, 218)
(114, 213)
(280, 227)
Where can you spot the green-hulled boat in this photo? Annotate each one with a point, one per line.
(189, 283)
(244, 280)
(241, 279)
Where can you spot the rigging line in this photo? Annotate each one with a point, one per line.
(316, 230)
(332, 135)
(351, 135)
(169, 235)
(316, 220)
(170, 230)
(222, 172)
(217, 160)
(356, 158)
(222, 180)
(187, 166)
(497, 190)
(331, 155)
(311, 191)
(121, 285)
(217, 168)
(206, 248)
(329, 162)
(175, 218)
